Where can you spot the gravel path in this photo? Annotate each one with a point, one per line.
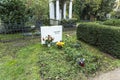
(112, 75)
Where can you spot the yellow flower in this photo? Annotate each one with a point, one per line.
(60, 44)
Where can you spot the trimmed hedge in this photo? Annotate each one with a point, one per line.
(106, 38)
(112, 22)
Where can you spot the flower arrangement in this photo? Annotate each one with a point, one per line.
(60, 44)
(48, 40)
(82, 62)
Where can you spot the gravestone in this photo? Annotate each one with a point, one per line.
(53, 31)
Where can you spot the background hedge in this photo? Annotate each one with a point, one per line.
(69, 23)
(106, 38)
(112, 22)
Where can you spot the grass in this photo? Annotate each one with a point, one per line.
(29, 60)
(14, 64)
(105, 57)
(10, 36)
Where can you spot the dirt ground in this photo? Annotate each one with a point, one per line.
(112, 75)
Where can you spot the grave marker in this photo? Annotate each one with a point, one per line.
(53, 31)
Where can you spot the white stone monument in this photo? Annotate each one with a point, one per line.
(53, 31)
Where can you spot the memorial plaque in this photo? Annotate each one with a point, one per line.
(53, 31)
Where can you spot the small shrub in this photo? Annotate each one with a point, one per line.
(69, 23)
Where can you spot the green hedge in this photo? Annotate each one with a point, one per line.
(112, 22)
(106, 38)
(68, 23)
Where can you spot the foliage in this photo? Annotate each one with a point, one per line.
(39, 7)
(112, 22)
(87, 9)
(40, 11)
(11, 37)
(106, 7)
(107, 38)
(14, 64)
(45, 22)
(92, 62)
(29, 60)
(68, 23)
(115, 14)
(13, 13)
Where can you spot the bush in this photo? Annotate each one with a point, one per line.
(15, 28)
(112, 22)
(104, 37)
(68, 23)
(14, 12)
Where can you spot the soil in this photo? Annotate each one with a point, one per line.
(112, 75)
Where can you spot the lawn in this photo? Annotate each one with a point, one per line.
(10, 36)
(29, 60)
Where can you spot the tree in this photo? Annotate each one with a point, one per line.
(106, 7)
(87, 9)
(40, 11)
(13, 12)
(116, 12)
(40, 8)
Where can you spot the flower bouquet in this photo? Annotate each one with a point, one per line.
(60, 44)
(48, 40)
(82, 62)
